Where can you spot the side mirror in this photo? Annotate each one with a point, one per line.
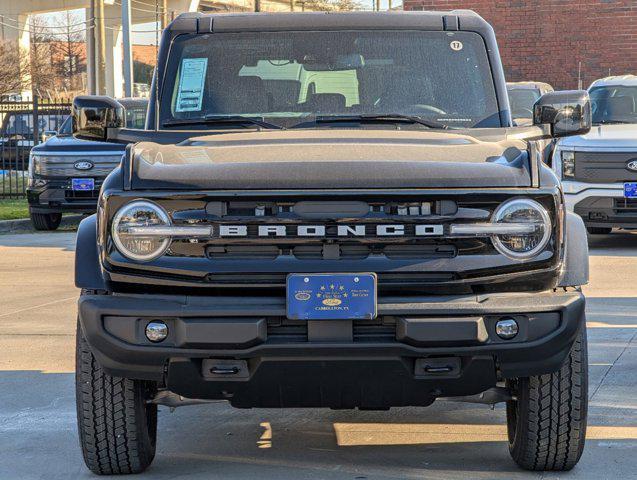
(47, 134)
(92, 116)
(567, 112)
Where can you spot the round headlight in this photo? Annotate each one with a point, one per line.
(134, 245)
(522, 211)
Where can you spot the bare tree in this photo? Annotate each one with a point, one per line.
(331, 5)
(68, 52)
(14, 74)
(347, 5)
(42, 79)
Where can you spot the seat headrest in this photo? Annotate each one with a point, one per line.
(621, 105)
(326, 102)
(249, 95)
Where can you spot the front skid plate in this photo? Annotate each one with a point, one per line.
(356, 382)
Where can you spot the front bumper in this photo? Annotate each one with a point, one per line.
(601, 205)
(337, 364)
(57, 196)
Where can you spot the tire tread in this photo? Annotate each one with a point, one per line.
(45, 221)
(550, 422)
(114, 436)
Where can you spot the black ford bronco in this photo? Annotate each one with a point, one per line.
(331, 210)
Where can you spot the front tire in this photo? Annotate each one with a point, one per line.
(599, 230)
(117, 427)
(45, 221)
(547, 422)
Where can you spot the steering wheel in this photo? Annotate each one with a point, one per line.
(411, 109)
(427, 109)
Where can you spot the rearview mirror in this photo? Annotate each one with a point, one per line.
(92, 116)
(567, 112)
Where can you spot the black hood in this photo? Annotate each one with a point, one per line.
(65, 143)
(332, 158)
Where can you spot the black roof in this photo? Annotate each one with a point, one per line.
(453, 20)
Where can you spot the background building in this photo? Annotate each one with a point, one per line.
(550, 40)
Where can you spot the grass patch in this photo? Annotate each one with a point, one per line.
(13, 209)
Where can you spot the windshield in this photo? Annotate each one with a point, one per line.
(67, 127)
(614, 104)
(521, 101)
(286, 77)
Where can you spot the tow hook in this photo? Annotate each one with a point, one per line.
(215, 368)
(224, 370)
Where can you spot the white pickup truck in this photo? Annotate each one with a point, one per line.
(599, 169)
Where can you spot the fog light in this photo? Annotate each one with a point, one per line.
(156, 331)
(507, 328)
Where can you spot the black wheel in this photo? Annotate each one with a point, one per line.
(599, 230)
(45, 221)
(117, 427)
(547, 422)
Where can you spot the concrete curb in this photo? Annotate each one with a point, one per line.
(25, 226)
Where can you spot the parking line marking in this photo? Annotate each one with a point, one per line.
(358, 434)
(37, 306)
(610, 325)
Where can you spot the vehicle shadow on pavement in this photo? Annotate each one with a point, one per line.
(64, 241)
(444, 441)
(448, 440)
(622, 244)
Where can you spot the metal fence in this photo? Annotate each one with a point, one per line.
(22, 126)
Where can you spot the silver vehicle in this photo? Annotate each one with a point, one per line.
(599, 169)
(522, 97)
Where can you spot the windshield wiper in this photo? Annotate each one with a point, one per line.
(611, 122)
(223, 120)
(375, 118)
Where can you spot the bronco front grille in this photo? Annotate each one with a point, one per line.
(406, 263)
(330, 230)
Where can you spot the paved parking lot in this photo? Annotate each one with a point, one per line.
(446, 441)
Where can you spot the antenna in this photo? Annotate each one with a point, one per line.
(155, 80)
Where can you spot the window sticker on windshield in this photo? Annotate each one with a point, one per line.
(456, 45)
(191, 82)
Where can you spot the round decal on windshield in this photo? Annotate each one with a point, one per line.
(456, 45)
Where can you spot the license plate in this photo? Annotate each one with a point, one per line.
(338, 296)
(630, 190)
(83, 184)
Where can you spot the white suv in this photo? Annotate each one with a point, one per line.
(599, 169)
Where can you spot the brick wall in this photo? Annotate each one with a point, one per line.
(544, 40)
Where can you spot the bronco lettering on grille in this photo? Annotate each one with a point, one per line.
(387, 230)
